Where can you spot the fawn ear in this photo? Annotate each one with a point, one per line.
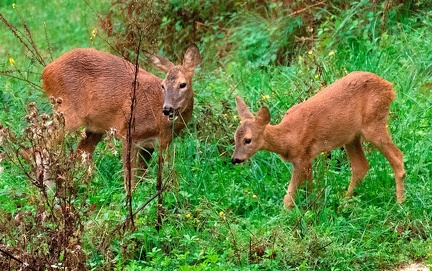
(263, 116)
(242, 110)
(159, 62)
(191, 58)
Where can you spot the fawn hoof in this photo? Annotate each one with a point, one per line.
(288, 202)
(400, 200)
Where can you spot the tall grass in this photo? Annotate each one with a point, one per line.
(221, 216)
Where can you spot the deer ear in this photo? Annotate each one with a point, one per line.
(159, 62)
(242, 110)
(192, 58)
(263, 116)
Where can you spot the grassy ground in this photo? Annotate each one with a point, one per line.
(221, 216)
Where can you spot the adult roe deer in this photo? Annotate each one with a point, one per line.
(354, 107)
(96, 89)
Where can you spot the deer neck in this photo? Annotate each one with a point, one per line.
(276, 140)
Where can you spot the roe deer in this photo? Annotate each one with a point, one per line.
(354, 107)
(96, 89)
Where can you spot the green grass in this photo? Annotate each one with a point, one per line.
(217, 213)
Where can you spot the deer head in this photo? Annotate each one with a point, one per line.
(249, 136)
(177, 85)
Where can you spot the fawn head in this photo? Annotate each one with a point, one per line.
(177, 85)
(249, 136)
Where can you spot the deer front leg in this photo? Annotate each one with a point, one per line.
(302, 171)
(129, 164)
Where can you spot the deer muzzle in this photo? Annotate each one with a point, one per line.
(170, 112)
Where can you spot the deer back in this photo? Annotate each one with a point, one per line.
(96, 89)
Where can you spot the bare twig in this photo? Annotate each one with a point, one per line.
(131, 127)
(48, 42)
(9, 73)
(234, 240)
(16, 259)
(159, 191)
(309, 207)
(306, 8)
(24, 39)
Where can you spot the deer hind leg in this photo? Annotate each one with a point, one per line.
(302, 171)
(359, 164)
(143, 160)
(145, 155)
(89, 142)
(380, 137)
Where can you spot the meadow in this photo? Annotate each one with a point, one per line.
(218, 216)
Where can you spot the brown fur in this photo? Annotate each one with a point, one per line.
(96, 90)
(353, 108)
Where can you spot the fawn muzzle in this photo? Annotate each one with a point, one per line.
(236, 161)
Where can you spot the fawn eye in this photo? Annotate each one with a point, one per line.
(182, 85)
(247, 140)
(163, 87)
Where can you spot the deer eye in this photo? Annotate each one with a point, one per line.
(247, 140)
(182, 85)
(163, 87)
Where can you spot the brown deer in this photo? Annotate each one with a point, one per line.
(97, 89)
(353, 108)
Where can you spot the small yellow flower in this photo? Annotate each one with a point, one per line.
(316, 76)
(310, 52)
(331, 53)
(188, 216)
(254, 196)
(221, 213)
(13, 5)
(235, 117)
(300, 58)
(345, 71)
(94, 32)
(265, 97)
(12, 61)
(225, 115)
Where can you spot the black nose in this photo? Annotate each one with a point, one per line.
(236, 161)
(167, 110)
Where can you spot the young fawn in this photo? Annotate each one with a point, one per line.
(97, 89)
(353, 108)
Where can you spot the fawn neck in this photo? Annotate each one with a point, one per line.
(275, 140)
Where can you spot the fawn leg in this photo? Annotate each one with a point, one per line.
(380, 137)
(302, 171)
(359, 164)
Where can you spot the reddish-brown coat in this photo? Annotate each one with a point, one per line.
(96, 89)
(353, 108)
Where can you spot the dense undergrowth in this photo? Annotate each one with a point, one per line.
(220, 216)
